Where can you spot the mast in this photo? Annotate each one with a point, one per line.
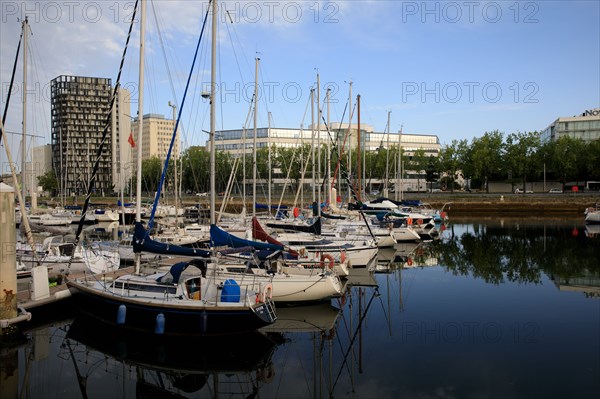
(138, 202)
(256, 61)
(213, 73)
(398, 194)
(174, 106)
(387, 158)
(350, 136)
(319, 145)
(328, 194)
(62, 169)
(269, 155)
(358, 162)
(312, 141)
(24, 139)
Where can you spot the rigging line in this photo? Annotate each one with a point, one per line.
(37, 60)
(164, 54)
(341, 153)
(160, 184)
(235, 54)
(262, 80)
(102, 141)
(167, 67)
(220, 92)
(358, 327)
(10, 86)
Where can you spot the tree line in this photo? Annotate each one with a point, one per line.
(516, 158)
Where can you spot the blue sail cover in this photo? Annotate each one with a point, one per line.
(220, 238)
(314, 228)
(265, 206)
(143, 243)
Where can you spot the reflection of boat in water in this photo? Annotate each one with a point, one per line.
(592, 230)
(162, 366)
(311, 318)
(592, 214)
(362, 277)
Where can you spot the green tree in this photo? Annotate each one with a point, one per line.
(451, 160)
(196, 169)
(49, 182)
(594, 160)
(521, 156)
(151, 172)
(486, 157)
(564, 157)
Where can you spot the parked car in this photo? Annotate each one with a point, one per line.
(202, 194)
(555, 191)
(374, 192)
(520, 191)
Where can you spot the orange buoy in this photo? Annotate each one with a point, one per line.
(328, 257)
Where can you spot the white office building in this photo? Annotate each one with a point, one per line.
(585, 127)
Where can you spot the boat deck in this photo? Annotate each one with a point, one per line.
(57, 292)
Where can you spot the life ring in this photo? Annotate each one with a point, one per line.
(322, 262)
(420, 222)
(296, 212)
(343, 256)
(409, 262)
(409, 221)
(266, 292)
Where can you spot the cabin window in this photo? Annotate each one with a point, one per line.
(120, 285)
(193, 286)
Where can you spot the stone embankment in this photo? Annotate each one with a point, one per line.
(521, 205)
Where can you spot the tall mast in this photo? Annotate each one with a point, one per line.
(256, 61)
(350, 135)
(174, 106)
(358, 162)
(328, 194)
(213, 73)
(312, 141)
(138, 201)
(269, 154)
(387, 158)
(398, 191)
(319, 145)
(25, 25)
(61, 168)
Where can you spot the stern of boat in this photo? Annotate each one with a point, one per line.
(265, 310)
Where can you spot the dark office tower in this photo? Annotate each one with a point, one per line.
(80, 106)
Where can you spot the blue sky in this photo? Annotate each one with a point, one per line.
(452, 69)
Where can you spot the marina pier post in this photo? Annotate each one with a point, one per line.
(8, 260)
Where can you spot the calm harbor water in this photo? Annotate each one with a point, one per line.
(493, 309)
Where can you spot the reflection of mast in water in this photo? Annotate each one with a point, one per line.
(357, 334)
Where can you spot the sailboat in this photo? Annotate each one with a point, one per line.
(183, 300)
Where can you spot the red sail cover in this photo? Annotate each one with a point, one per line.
(258, 233)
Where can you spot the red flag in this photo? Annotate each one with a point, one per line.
(131, 141)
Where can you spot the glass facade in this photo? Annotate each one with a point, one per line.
(585, 127)
(233, 140)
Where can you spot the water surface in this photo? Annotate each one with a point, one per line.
(493, 309)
